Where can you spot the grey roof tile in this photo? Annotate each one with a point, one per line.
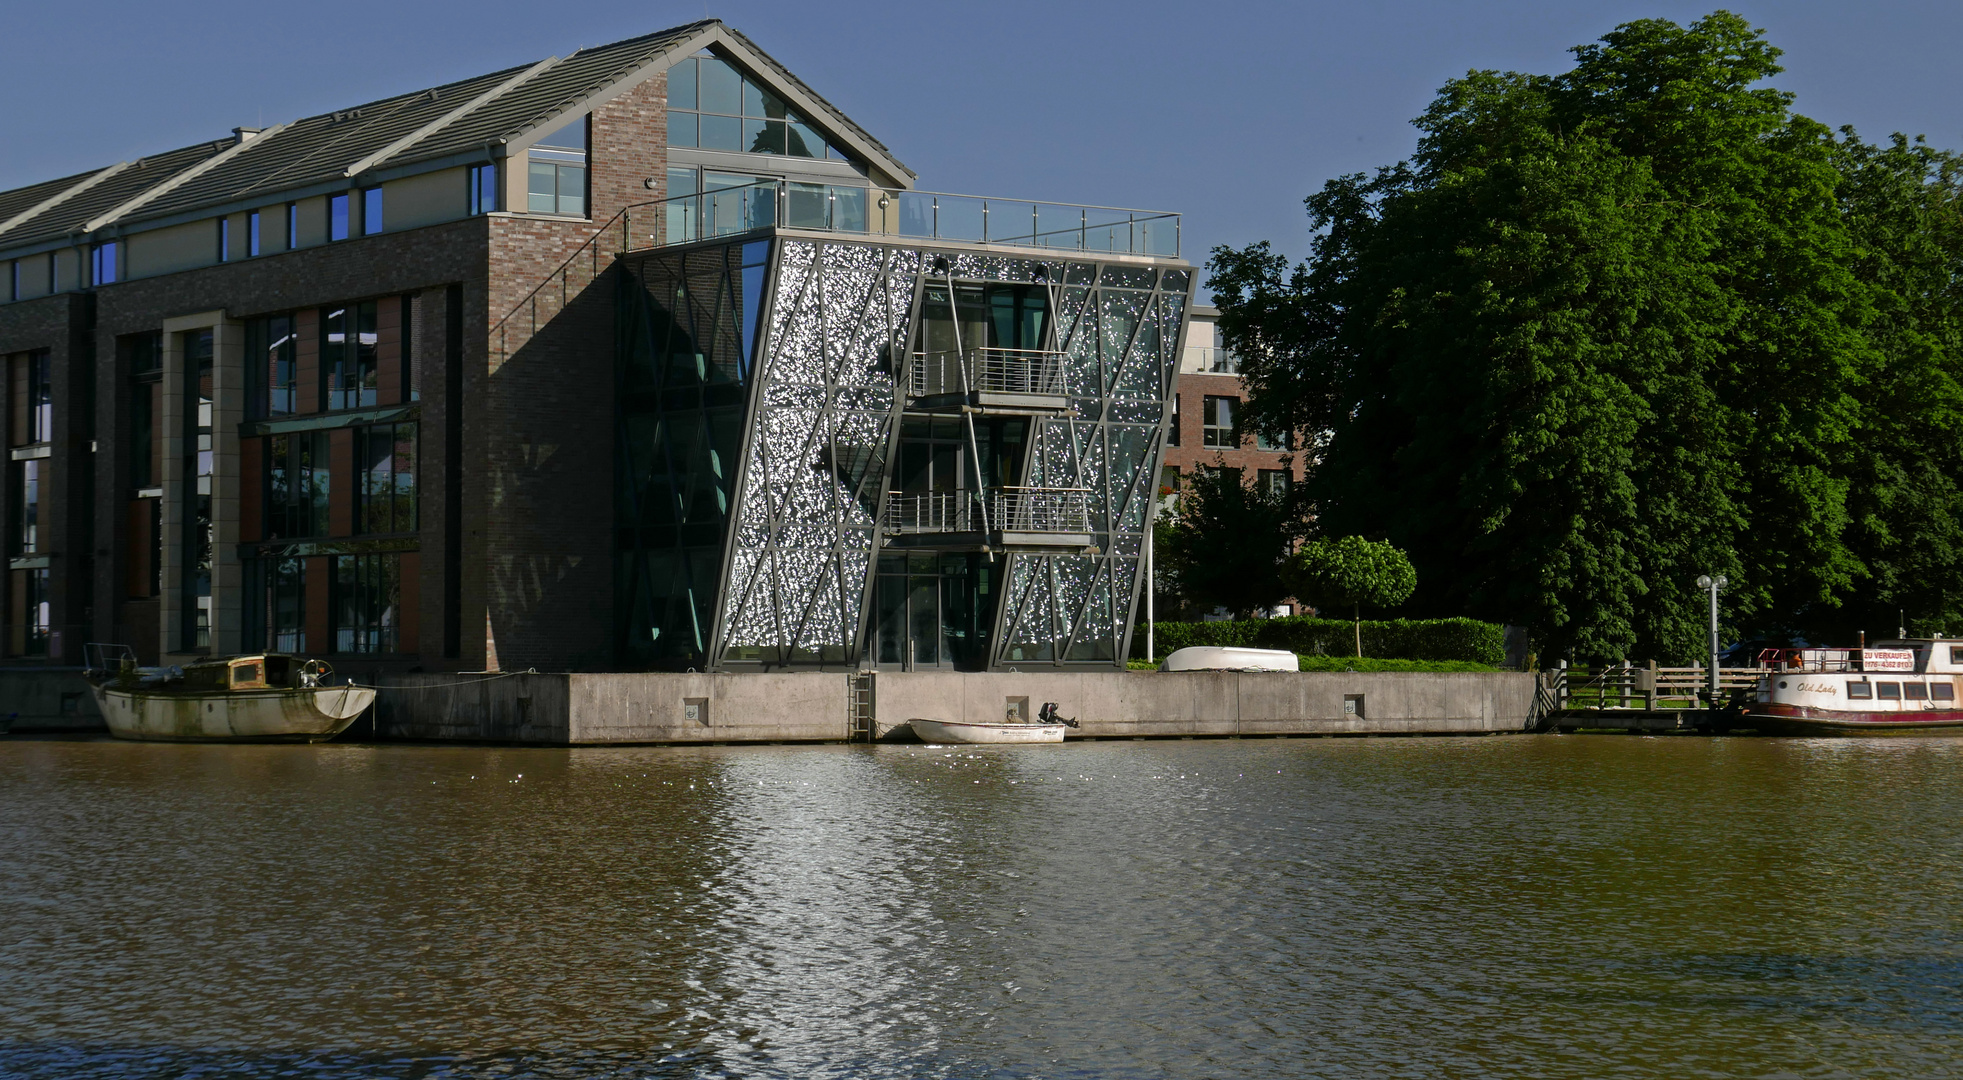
(69, 215)
(319, 149)
(26, 198)
(547, 94)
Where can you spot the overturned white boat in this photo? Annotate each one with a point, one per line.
(268, 697)
(1230, 658)
(955, 731)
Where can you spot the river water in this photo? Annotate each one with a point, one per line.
(1546, 906)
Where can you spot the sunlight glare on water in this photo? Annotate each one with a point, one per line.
(1571, 906)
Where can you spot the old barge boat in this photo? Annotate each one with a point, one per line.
(266, 697)
(1903, 687)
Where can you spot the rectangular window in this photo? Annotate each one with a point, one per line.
(371, 211)
(1915, 691)
(271, 370)
(483, 192)
(102, 264)
(386, 461)
(37, 605)
(13, 280)
(1274, 483)
(348, 355)
(1217, 423)
(1264, 441)
(1956, 654)
(144, 354)
(296, 494)
(1859, 689)
(337, 217)
(292, 226)
(366, 601)
(196, 540)
(27, 511)
(276, 608)
(224, 239)
(1168, 481)
(40, 398)
(1942, 691)
(252, 234)
(1889, 691)
(1172, 436)
(556, 188)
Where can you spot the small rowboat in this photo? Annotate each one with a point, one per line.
(954, 731)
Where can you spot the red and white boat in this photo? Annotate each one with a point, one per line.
(1905, 687)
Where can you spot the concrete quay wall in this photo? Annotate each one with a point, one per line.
(599, 709)
(1218, 703)
(48, 699)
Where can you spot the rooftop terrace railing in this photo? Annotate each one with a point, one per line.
(874, 213)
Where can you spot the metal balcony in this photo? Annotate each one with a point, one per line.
(989, 380)
(1018, 518)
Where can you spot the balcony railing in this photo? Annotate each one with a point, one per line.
(987, 371)
(1211, 361)
(1009, 509)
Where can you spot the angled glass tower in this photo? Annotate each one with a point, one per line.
(919, 436)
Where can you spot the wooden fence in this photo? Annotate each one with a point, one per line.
(1646, 687)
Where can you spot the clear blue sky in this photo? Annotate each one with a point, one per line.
(1227, 111)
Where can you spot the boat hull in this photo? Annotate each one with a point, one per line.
(951, 731)
(1776, 719)
(312, 714)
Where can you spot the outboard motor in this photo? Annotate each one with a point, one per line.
(1047, 714)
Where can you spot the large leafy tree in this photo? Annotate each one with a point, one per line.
(1611, 329)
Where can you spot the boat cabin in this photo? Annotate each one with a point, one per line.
(267, 671)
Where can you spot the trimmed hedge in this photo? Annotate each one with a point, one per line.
(1399, 639)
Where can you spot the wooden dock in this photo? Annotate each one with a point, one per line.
(1646, 699)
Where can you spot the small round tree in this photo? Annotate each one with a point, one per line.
(1350, 572)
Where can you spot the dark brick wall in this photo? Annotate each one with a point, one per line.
(533, 426)
(67, 526)
(1193, 390)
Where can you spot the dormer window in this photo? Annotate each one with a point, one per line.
(556, 172)
(713, 106)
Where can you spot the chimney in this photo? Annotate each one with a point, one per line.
(241, 134)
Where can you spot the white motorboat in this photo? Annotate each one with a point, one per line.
(1230, 658)
(1905, 687)
(955, 731)
(262, 698)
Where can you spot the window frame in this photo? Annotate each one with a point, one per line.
(344, 222)
(1215, 435)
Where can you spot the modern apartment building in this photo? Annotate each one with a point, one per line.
(644, 357)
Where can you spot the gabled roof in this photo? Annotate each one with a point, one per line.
(478, 117)
(68, 215)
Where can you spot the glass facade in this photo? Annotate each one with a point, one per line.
(1023, 526)
(195, 585)
(688, 326)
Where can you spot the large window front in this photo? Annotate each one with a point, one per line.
(27, 512)
(386, 458)
(296, 496)
(276, 619)
(556, 172)
(714, 106)
(272, 364)
(195, 583)
(349, 355)
(367, 602)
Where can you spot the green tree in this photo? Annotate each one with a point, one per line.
(1224, 542)
(1612, 329)
(1351, 572)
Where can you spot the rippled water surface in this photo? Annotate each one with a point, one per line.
(1546, 906)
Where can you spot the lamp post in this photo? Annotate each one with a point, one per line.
(1713, 585)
